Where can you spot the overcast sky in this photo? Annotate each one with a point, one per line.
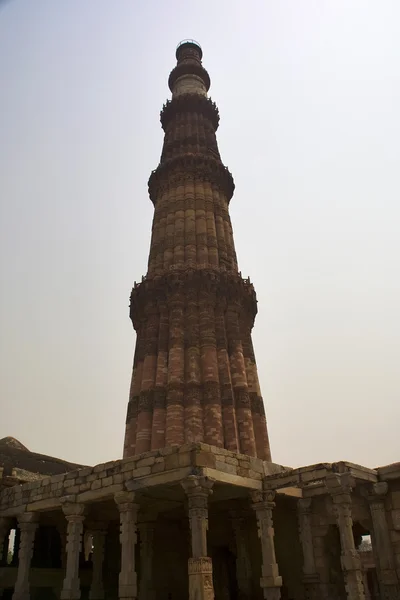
(309, 96)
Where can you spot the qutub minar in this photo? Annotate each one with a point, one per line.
(195, 509)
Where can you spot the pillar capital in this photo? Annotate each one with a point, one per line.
(375, 493)
(126, 501)
(73, 511)
(28, 521)
(339, 486)
(263, 499)
(198, 489)
(304, 506)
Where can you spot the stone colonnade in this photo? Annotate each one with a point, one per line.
(340, 486)
(200, 572)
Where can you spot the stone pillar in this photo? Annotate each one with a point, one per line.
(198, 489)
(128, 512)
(99, 532)
(243, 563)
(310, 574)
(27, 524)
(339, 486)
(146, 531)
(5, 525)
(386, 568)
(271, 582)
(75, 515)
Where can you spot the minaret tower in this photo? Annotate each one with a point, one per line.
(194, 372)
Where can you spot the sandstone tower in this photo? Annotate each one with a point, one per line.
(194, 372)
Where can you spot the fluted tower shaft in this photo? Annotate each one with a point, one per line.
(194, 371)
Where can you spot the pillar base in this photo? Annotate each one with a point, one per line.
(20, 595)
(70, 594)
(127, 592)
(354, 585)
(96, 594)
(312, 587)
(390, 592)
(200, 579)
(272, 593)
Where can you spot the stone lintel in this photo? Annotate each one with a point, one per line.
(389, 472)
(44, 505)
(168, 477)
(236, 480)
(14, 511)
(295, 492)
(100, 494)
(316, 474)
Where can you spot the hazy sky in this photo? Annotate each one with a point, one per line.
(309, 96)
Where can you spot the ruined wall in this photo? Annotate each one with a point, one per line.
(392, 506)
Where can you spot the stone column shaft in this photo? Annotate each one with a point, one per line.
(201, 585)
(270, 582)
(128, 512)
(146, 586)
(75, 515)
(27, 524)
(5, 526)
(97, 588)
(243, 563)
(310, 574)
(382, 545)
(340, 486)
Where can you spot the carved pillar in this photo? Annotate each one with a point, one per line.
(310, 575)
(243, 563)
(128, 512)
(386, 568)
(339, 487)
(201, 587)
(75, 515)
(271, 582)
(5, 525)
(146, 531)
(99, 533)
(27, 524)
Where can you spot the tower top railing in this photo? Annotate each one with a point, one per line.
(192, 42)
